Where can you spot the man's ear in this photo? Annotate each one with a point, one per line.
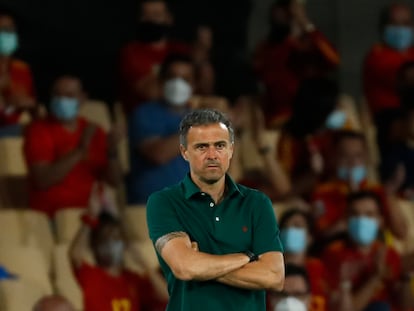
(183, 152)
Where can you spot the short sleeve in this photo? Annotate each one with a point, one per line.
(161, 217)
(38, 144)
(266, 231)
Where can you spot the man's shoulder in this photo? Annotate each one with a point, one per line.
(165, 194)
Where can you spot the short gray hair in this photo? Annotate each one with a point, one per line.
(203, 117)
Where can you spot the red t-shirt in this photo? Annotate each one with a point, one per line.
(104, 292)
(362, 267)
(21, 82)
(282, 66)
(139, 60)
(380, 75)
(48, 141)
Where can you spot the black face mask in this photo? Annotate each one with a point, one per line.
(151, 32)
(279, 32)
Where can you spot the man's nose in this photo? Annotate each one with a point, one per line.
(212, 152)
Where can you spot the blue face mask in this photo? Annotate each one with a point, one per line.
(355, 174)
(363, 230)
(65, 108)
(398, 37)
(8, 42)
(293, 239)
(335, 120)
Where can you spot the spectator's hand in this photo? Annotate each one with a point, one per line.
(95, 204)
(115, 135)
(300, 17)
(86, 137)
(316, 160)
(348, 270)
(397, 179)
(22, 101)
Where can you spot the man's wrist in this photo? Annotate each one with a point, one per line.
(252, 256)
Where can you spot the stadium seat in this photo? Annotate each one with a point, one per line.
(20, 294)
(148, 257)
(37, 232)
(407, 245)
(67, 223)
(97, 112)
(27, 263)
(11, 231)
(65, 282)
(135, 222)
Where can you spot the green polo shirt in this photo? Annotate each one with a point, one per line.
(244, 220)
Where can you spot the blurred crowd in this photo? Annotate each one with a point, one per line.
(339, 170)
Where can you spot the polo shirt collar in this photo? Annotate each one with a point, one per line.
(190, 188)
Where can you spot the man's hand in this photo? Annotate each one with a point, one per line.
(86, 138)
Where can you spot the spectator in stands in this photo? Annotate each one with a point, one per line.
(107, 285)
(294, 50)
(348, 174)
(296, 295)
(397, 167)
(140, 60)
(296, 228)
(16, 81)
(153, 132)
(53, 303)
(267, 175)
(305, 140)
(66, 153)
(381, 66)
(363, 262)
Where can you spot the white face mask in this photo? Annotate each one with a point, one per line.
(290, 304)
(177, 91)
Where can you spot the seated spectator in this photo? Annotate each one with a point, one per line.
(296, 294)
(363, 263)
(53, 303)
(266, 175)
(16, 81)
(66, 153)
(305, 140)
(107, 285)
(348, 174)
(381, 66)
(294, 50)
(153, 133)
(296, 236)
(140, 60)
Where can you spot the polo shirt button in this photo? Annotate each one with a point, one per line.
(203, 193)
(217, 219)
(211, 204)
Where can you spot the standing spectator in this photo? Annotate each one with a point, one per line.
(107, 286)
(153, 132)
(140, 60)
(53, 303)
(294, 50)
(296, 294)
(66, 153)
(16, 81)
(305, 141)
(381, 66)
(348, 175)
(363, 262)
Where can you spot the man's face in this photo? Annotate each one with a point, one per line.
(208, 151)
(351, 152)
(7, 23)
(155, 11)
(367, 207)
(107, 249)
(68, 87)
(181, 70)
(295, 286)
(400, 15)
